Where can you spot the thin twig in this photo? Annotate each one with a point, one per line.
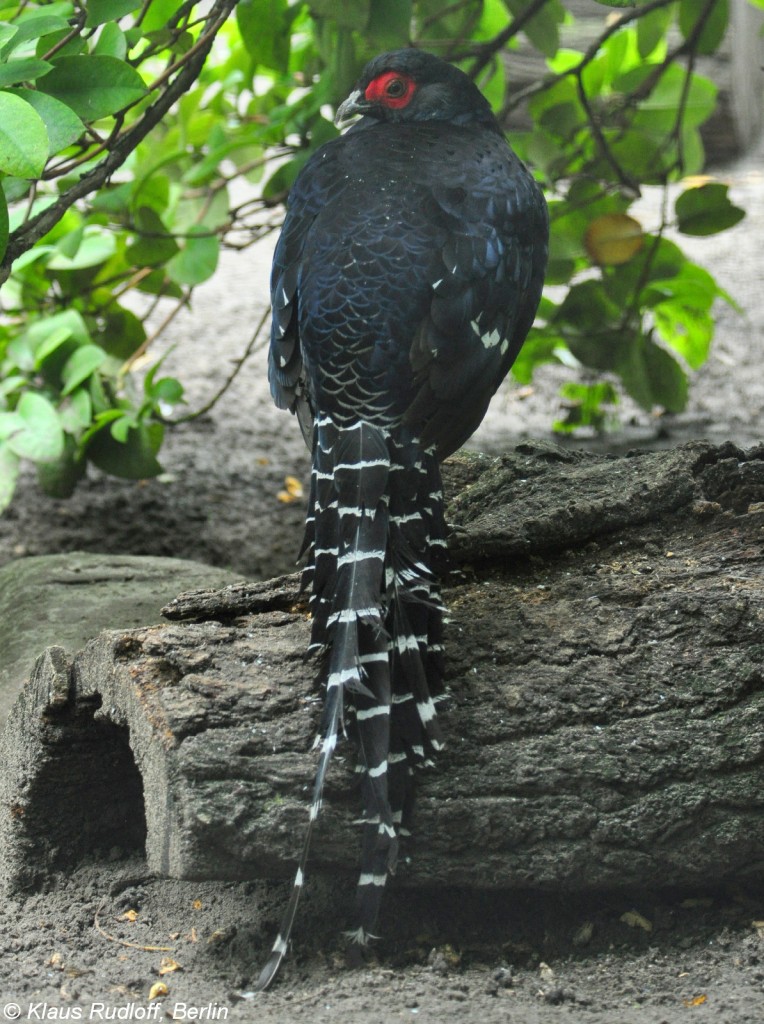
(587, 57)
(71, 34)
(623, 177)
(208, 406)
(691, 45)
(148, 341)
(124, 942)
(488, 50)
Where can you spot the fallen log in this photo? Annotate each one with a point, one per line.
(604, 726)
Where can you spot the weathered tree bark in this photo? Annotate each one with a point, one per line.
(605, 649)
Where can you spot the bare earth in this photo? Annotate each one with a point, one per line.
(93, 946)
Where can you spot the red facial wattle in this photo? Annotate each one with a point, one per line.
(392, 89)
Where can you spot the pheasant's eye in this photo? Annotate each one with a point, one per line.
(391, 89)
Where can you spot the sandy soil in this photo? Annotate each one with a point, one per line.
(72, 952)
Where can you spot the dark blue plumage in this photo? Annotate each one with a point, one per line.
(405, 279)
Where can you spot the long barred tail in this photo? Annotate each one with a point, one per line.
(375, 534)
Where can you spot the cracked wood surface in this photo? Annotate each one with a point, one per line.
(604, 727)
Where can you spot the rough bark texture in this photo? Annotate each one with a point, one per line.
(605, 726)
(66, 599)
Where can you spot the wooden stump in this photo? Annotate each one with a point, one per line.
(605, 725)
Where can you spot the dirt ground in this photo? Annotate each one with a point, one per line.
(94, 945)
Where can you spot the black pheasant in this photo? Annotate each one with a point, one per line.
(406, 277)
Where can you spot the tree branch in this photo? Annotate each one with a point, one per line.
(33, 230)
(587, 57)
(487, 51)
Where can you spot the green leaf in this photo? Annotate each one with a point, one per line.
(197, 260)
(63, 43)
(61, 123)
(3, 224)
(101, 11)
(96, 246)
(693, 153)
(158, 283)
(121, 333)
(543, 28)
(9, 474)
(38, 333)
(32, 28)
(69, 243)
(27, 69)
(158, 14)
(591, 324)
(79, 366)
(389, 24)
(658, 112)
(563, 119)
(344, 13)
(583, 405)
(76, 412)
(12, 383)
(59, 478)
(714, 27)
(587, 308)
(541, 346)
(264, 26)
(494, 88)
(7, 32)
(133, 459)
(651, 30)
(613, 61)
(93, 85)
(682, 310)
(103, 413)
(493, 19)
(120, 428)
(151, 191)
(168, 390)
(279, 183)
(688, 331)
(154, 245)
(706, 210)
(112, 41)
(41, 438)
(51, 343)
(658, 259)
(10, 423)
(23, 138)
(210, 212)
(653, 377)
(622, 3)
(649, 149)
(46, 344)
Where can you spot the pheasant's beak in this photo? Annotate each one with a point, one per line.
(354, 104)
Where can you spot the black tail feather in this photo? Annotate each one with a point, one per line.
(376, 539)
